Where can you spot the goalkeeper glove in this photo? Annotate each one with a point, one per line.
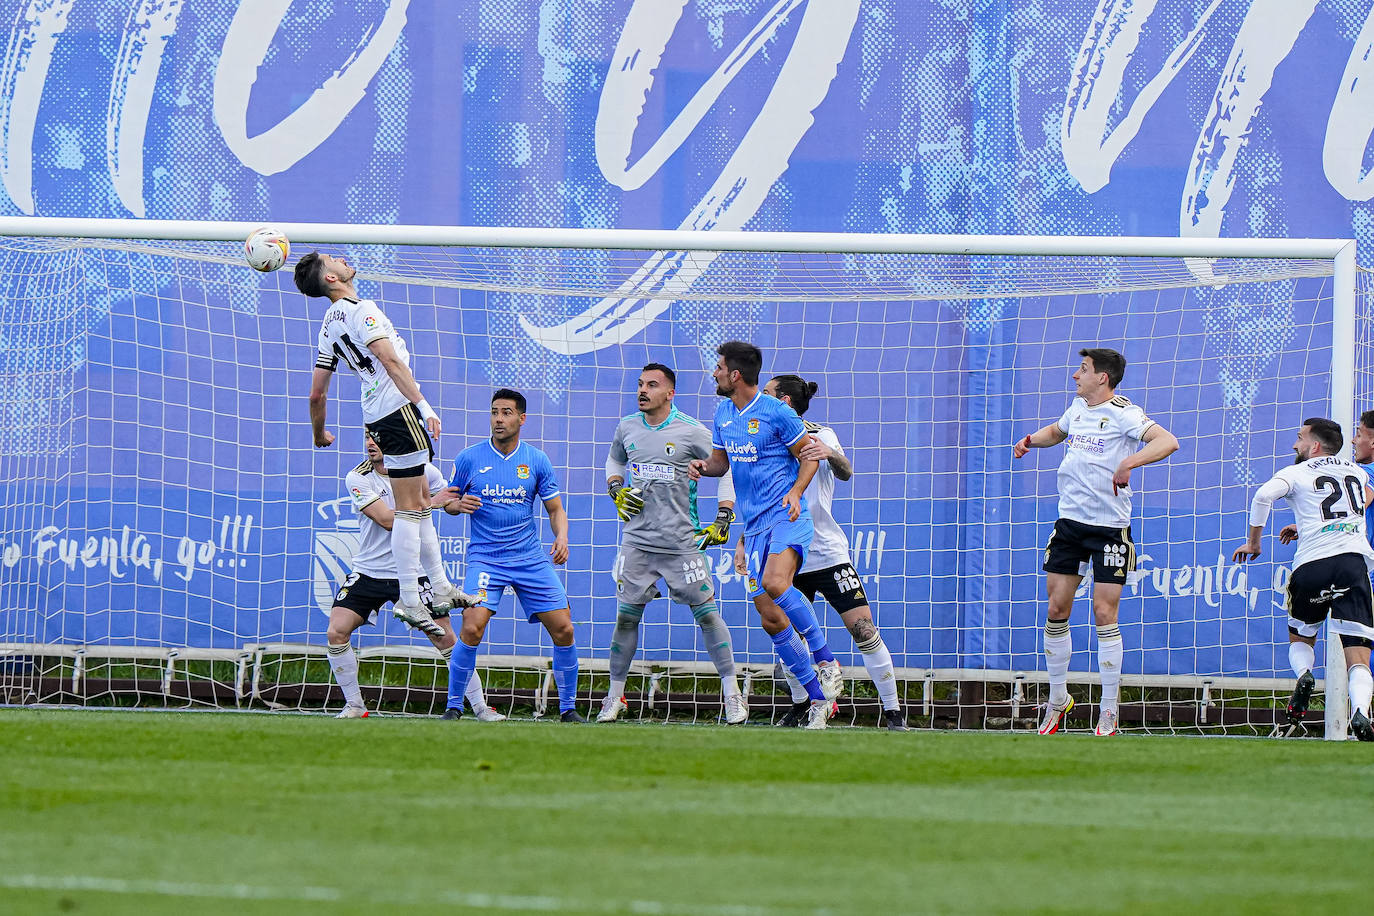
(628, 501)
(718, 532)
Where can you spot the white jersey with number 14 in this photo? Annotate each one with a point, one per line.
(349, 327)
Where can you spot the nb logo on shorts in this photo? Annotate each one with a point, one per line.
(847, 580)
(1114, 555)
(694, 570)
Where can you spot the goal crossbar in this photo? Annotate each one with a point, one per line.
(684, 240)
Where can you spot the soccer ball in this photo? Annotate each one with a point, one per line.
(266, 249)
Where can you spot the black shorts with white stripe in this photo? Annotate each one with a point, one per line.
(404, 441)
(1338, 586)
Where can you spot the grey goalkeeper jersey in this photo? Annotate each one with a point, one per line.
(655, 460)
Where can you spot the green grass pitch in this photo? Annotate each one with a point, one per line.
(138, 812)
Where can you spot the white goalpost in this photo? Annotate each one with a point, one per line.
(170, 537)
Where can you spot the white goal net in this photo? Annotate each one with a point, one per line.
(169, 536)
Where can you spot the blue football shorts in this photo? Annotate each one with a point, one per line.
(760, 546)
(534, 582)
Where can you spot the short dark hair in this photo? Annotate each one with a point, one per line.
(1327, 432)
(744, 358)
(669, 374)
(310, 275)
(1367, 419)
(510, 394)
(798, 390)
(1108, 361)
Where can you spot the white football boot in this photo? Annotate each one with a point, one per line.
(447, 599)
(819, 714)
(353, 712)
(419, 617)
(736, 709)
(611, 708)
(832, 679)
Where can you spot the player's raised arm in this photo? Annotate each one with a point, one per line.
(1044, 437)
(1275, 488)
(405, 383)
(715, 466)
(319, 405)
(817, 449)
(1159, 444)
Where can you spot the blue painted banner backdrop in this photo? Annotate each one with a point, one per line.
(165, 414)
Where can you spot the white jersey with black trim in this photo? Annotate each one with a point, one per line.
(829, 546)
(349, 327)
(1327, 497)
(366, 486)
(1099, 439)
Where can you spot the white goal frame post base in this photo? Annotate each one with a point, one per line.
(1342, 390)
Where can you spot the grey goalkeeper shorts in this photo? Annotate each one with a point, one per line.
(687, 576)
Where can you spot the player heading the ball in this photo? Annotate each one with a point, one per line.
(1329, 496)
(1104, 432)
(396, 414)
(758, 439)
(372, 581)
(646, 476)
(499, 480)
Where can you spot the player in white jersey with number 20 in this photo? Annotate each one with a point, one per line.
(1104, 433)
(1329, 496)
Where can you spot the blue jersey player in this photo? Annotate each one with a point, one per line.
(499, 481)
(758, 439)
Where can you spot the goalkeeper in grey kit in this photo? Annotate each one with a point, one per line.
(646, 476)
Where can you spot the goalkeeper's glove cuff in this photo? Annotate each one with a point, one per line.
(718, 532)
(629, 501)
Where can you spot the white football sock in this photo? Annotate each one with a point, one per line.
(1058, 652)
(1109, 653)
(799, 694)
(474, 695)
(617, 688)
(431, 559)
(405, 550)
(344, 664)
(1361, 686)
(878, 663)
(1301, 657)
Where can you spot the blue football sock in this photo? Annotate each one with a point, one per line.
(792, 651)
(565, 675)
(803, 617)
(461, 664)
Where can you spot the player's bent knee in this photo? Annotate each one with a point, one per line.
(773, 618)
(863, 629)
(775, 585)
(560, 628)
